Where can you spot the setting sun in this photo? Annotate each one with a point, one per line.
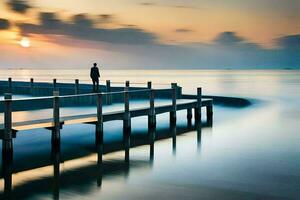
(25, 42)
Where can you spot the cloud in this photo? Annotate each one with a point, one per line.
(289, 42)
(168, 5)
(4, 24)
(147, 4)
(82, 27)
(228, 38)
(105, 18)
(20, 6)
(82, 20)
(183, 30)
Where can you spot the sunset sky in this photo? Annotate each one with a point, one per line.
(150, 34)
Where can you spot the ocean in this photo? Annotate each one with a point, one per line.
(249, 153)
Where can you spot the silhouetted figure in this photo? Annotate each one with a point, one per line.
(95, 77)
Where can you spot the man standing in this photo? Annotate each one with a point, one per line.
(95, 77)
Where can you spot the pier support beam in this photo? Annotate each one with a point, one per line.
(199, 136)
(189, 116)
(174, 107)
(198, 108)
(173, 116)
(151, 123)
(108, 90)
(76, 86)
(126, 125)
(55, 139)
(99, 128)
(7, 146)
(9, 87)
(32, 86)
(55, 84)
(149, 85)
(127, 84)
(209, 114)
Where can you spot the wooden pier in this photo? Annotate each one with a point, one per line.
(10, 129)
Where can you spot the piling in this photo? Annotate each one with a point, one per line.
(10, 85)
(31, 86)
(99, 128)
(7, 145)
(126, 125)
(174, 107)
(76, 86)
(127, 84)
(54, 84)
(189, 116)
(199, 136)
(151, 123)
(199, 105)
(108, 90)
(56, 121)
(209, 113)
(149, 85)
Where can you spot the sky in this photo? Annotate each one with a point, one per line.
(151, 34)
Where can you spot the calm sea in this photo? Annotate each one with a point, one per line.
(249, 153)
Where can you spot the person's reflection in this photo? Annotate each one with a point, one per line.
(7, 161)
(56, 157)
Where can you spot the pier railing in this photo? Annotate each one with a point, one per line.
(46, 88)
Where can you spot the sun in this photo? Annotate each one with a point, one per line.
(25, 42)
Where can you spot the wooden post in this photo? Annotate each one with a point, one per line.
(127, 84)
(31, 86)
(108, 90)
(56, 121)
(76, 86)
(149, 85)
(99, 128)
(54, 84)
(173, 116)
(10, 85)
(199, 105)
(209, 113)
(126, 125)
(7, 145)
(152, 115)
(199, 135)
(151, 123)
(174, 107)
(189, 117)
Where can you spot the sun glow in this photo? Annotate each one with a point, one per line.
(25, 42)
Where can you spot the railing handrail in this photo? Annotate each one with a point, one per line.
(84, 95)
(47, 81)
